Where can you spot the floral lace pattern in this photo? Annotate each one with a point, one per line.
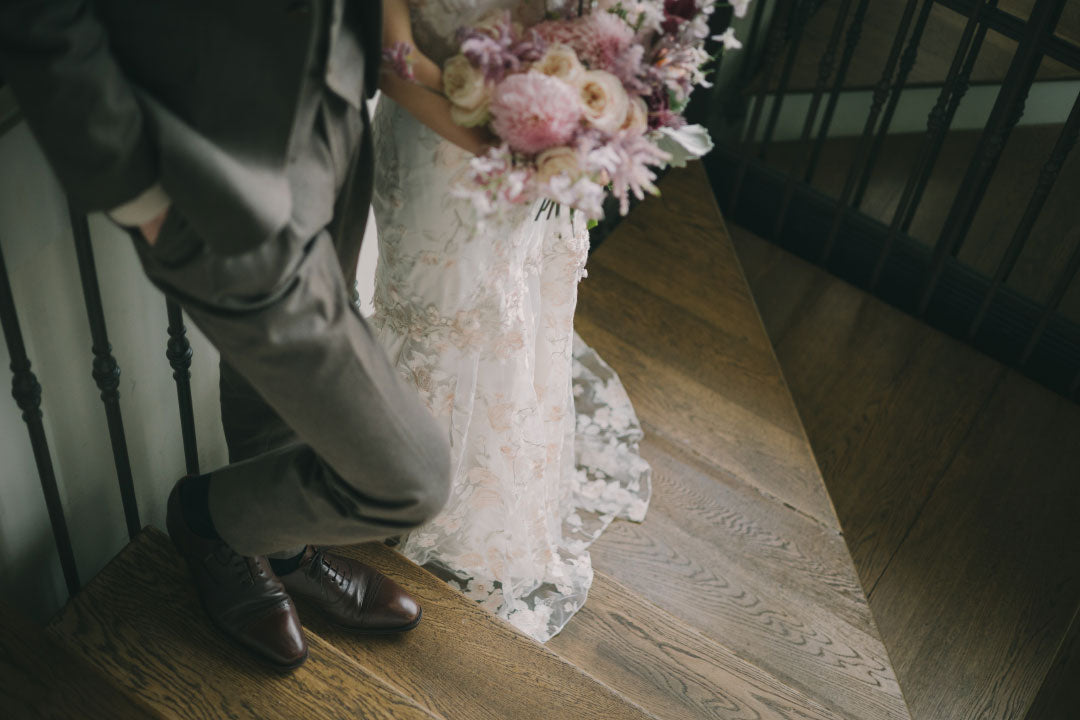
(480, 319)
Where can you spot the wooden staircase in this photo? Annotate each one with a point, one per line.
(735, 599)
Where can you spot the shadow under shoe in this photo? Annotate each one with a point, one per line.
(242, 596)
(352, 595)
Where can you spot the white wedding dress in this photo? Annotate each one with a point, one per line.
(480, 319)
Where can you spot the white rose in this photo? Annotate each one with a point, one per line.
(637, 117)
(464, 84)
(606, 102)
(560, 61)
(555, 161)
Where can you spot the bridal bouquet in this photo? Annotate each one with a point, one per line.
(586, 101)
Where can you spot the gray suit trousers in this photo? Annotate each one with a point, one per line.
(327, 444)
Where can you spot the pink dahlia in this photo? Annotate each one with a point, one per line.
(533, 112)
(608, 38)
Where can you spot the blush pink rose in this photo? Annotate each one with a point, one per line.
(533, 112)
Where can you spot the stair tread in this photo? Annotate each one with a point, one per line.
(139, 622)
(464, 662)
(40, 681)
(667, 667)
(741, 543)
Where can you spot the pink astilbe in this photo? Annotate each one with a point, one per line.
(397, 58)
(533, 112)
(493, 182)
(627, 159)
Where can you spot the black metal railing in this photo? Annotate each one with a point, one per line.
(923, 273)
(105, 371)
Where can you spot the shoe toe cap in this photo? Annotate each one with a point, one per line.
(392, 608)
(278, 637)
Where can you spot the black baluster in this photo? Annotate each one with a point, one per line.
(106, 372)
(825, 69)
(750, 47)
(907, 63)
(1008, 108)
(772, 53)
(935, 126)
(1065, 142)
(179, 354)
(27, 393)
(851, 41)
(800, 16)
(862, 158)
(959, 90)
(1053, 302)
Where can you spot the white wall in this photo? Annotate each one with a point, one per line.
(35, 236)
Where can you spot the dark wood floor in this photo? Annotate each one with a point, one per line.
(957, 484)
(741, 542)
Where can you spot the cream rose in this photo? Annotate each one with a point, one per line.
(556, 160)
(606, 102)
(637, 117)
(464, 85)
(473, 117)
(560, 61)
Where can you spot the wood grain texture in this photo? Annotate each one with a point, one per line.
(649, 303)
(979, 596)
(886, 399)
(463, 662)
(39, 681)
(1060, 692)
(669, 668)
(139, 622)
(802, 644)
(741, 542)
(956, 484)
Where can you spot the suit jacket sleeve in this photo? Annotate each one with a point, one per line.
(79, 104)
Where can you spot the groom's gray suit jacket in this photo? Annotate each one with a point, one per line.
(197, 95)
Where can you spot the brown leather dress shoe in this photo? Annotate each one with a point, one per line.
(242, 596)
(351, 594)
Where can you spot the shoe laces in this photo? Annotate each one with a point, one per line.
(321, 567)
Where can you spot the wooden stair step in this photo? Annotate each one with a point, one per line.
(140, 623)
(40, 681)
(669, 668)
(462, 662)
(741, 543)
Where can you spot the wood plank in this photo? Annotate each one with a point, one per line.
(741, 542)
(977, 599)
(803, 646)
(779, 294)
(783, 547)
(39, 681)
(139, 622)
(463, 662)
(886, 400)
(669, 668)
(628, 319)
(729, 437)
(1059, 694)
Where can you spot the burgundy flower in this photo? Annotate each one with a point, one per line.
(676, 12)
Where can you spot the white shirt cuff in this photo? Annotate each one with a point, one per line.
(145, 207)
